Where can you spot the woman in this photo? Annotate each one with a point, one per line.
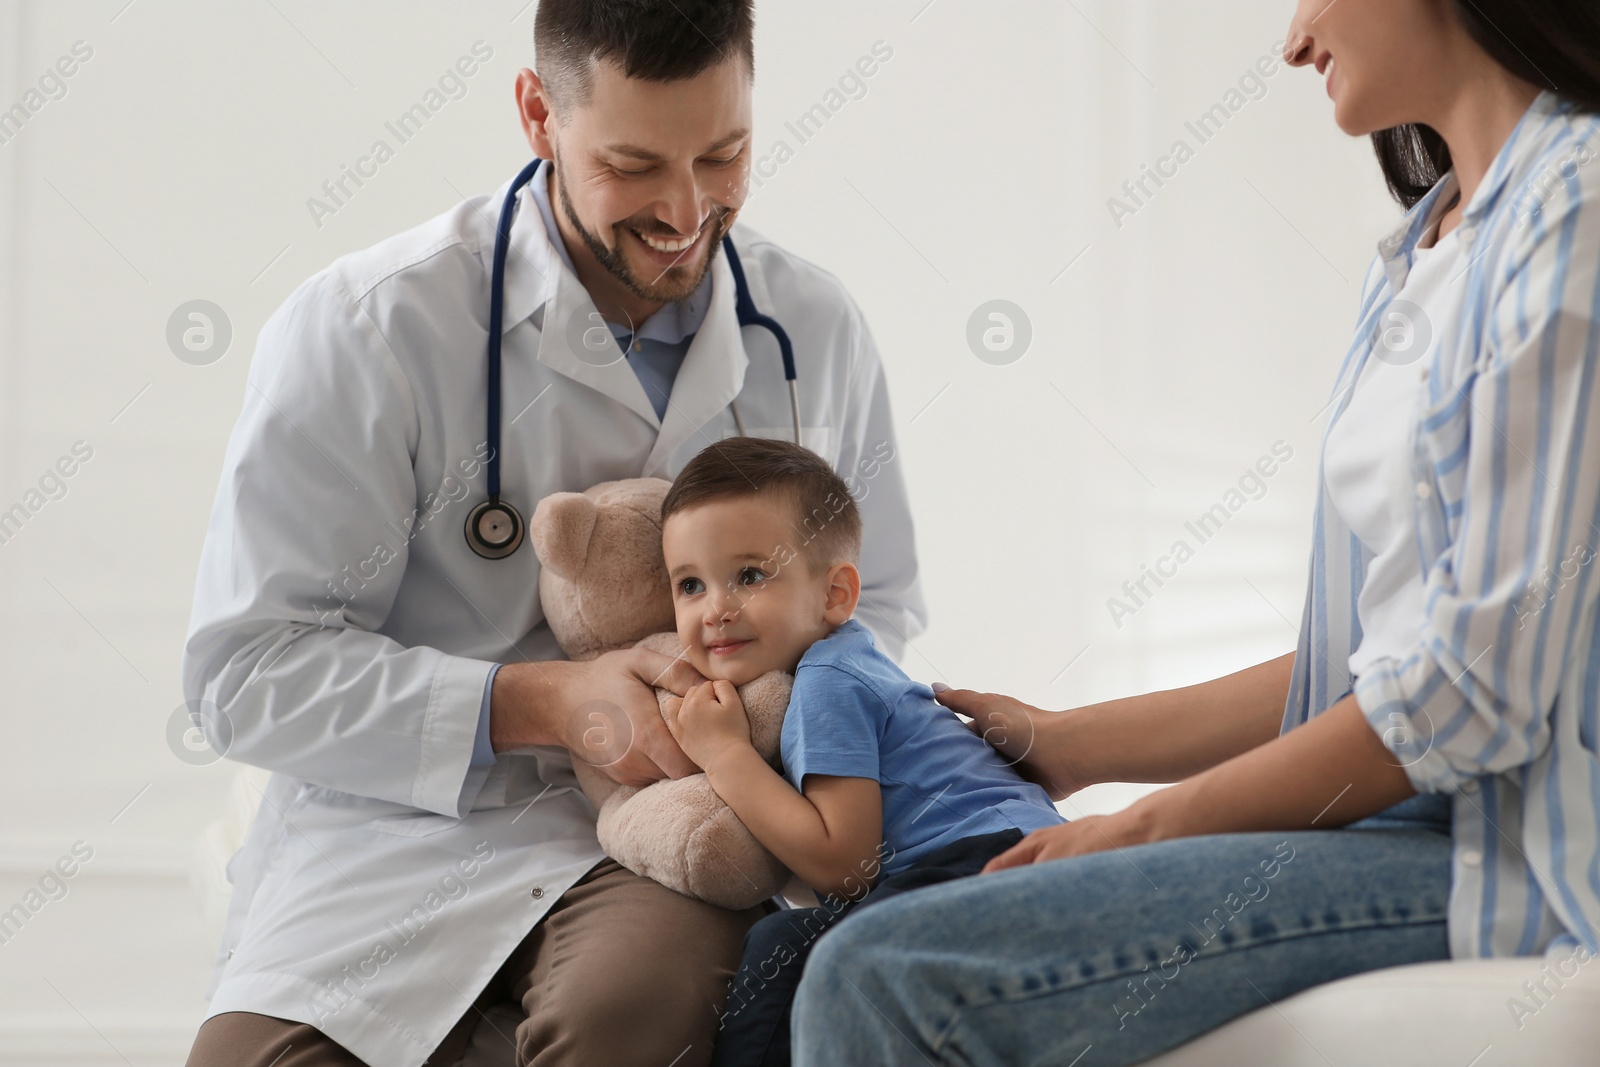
(1419, 779)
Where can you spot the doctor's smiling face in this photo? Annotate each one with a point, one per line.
(650, 137)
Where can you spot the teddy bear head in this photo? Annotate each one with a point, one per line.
(603, 584)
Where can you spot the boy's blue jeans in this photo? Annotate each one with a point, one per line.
(754, 1029)
(1111, 958)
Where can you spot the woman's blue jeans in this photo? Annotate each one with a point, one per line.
(1114, 957)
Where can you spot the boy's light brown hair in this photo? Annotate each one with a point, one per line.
(826, 524)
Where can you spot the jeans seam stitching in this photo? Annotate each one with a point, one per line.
(1258, 943)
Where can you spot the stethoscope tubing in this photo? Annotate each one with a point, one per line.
(745, 309)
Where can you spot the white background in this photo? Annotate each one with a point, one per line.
(1170, 355)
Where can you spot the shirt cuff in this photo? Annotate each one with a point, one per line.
(482, 750)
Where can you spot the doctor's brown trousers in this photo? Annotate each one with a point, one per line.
(621, 972)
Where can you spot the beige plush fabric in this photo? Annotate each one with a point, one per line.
(603, 585)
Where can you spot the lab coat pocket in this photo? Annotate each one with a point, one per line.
(413, 824)
(550, 768)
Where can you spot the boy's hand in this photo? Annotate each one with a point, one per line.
(709, 721)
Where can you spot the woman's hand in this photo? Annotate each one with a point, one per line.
(1325, 773)
(709, 721)
(1133, 825)
(1027, 736)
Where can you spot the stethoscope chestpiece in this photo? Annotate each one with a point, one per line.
(494, 529)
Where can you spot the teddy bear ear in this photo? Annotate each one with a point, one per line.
(560, 530)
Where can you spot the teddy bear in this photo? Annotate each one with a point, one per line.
(603, 585)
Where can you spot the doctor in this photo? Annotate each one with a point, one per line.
(422, 851)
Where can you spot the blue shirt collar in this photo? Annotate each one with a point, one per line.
(843, 630)
(672, 324)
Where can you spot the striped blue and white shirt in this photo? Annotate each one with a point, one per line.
(1498, 701)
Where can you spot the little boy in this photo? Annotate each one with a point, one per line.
(761, 539)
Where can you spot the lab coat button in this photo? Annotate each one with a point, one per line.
(1471, 857)
(536, 892)
(1424, 374)
(1467, 234)
(230, 953)
(1424, 490)
(1469, 786)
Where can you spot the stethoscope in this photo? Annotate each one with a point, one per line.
(494, 528)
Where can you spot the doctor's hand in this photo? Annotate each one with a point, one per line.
(709, 721)
(604, 711)
(1023, 734)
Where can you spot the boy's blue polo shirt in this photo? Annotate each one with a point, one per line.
(854, 713)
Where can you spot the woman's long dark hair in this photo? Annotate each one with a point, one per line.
(1553, 44)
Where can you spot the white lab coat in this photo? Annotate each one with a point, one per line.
(342, 630)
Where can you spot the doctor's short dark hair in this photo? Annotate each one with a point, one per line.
(825, 521)
(655, 40)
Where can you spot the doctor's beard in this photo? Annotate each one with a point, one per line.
(668, 286)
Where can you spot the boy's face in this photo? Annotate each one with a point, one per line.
(747, 601)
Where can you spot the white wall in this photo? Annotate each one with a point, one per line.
(1174, 352)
